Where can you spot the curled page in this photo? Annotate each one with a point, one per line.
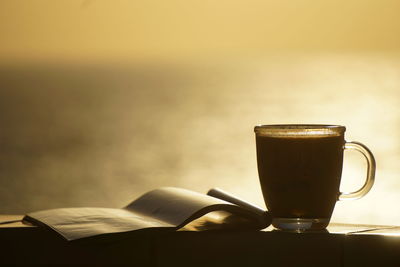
(179, 206)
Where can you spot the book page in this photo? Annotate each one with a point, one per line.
(76, 223)
(178, 207)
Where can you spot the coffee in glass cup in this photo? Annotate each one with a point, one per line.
(300, 168)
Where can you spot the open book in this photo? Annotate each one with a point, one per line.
(166, 208)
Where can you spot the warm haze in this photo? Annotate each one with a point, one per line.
(101, 101)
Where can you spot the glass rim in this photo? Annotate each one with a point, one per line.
(299, 130)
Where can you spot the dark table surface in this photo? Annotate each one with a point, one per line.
(340, 245)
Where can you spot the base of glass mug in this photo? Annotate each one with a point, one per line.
(300, 224)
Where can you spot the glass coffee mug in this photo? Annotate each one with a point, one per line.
(300, 168)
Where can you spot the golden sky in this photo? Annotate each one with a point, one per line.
(99, 137)
(129, 29)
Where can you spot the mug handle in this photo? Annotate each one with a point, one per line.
(371, 167)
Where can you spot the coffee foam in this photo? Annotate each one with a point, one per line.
(299, 131)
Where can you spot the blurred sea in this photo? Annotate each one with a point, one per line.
(103, 134)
